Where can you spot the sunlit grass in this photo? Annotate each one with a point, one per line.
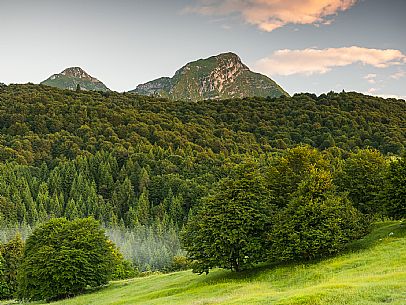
(372, 271)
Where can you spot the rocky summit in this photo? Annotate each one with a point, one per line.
(217, 77)
(70, 78)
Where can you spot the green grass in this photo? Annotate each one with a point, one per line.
(373, 271)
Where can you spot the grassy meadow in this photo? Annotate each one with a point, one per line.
(372, 271)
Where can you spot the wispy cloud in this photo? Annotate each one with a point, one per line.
(371, 78)
(269, 15)
(398, 75)
(319, 61)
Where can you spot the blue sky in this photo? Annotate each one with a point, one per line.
(305, 45)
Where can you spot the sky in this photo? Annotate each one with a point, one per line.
(312, 46)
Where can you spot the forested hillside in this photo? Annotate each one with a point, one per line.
(39, 123)
(140, 165)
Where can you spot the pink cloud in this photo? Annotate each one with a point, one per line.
(319, 61)
(398, 75)
(269, 15)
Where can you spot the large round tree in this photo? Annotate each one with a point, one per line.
(62, 258)
(229, 229)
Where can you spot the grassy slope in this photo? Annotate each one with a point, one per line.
(372, 272)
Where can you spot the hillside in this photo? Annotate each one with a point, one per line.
(40, 123)
(217, 77)
(70, 78)
(372, 272)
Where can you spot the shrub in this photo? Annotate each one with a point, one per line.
(124, 269)
(62, 258)
(11, 253)
(314, 228)
(4, 288)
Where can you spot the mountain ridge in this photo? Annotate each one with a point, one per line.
(216, 77)
(71, 77)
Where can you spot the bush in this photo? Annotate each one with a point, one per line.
(11, 254)
(124, 269)
(62, 258)
(4, 288)
(314, 228)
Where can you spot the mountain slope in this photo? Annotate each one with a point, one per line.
(71, 77)
(217, 77)
(372, 272)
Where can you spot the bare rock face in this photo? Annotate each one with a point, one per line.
(70, 78)
(216, 77)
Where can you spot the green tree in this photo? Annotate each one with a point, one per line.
(229, 230)
(286, 172)
(62, 258)
(395, 190)
(363, 177)
(313, 228)
(11, 253)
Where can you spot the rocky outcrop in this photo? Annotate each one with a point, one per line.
(217, 77)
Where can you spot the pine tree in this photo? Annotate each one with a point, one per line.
(143, 208)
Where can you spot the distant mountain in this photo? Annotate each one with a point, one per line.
(71, 77)
(217, 77)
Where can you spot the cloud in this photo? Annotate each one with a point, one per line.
(372, 90)
(269, 15)
(319, 61)
(398, 75)
(370, 78)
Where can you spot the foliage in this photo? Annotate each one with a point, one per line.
(11, 255)
(62, 258)
(363, 177)
(395, 190)
(371, 273)
(124, 269)
(229, 230)
(314, 228)
(286, 172)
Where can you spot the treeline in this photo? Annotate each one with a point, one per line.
(297, 206)
(43, 124)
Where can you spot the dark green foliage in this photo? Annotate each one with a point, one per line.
(314, 228)
(363, 177)
(4, 288)
(62, 258)
(229, 230)
(11, 255)
(40, 123)
(287, 172)
(395, 191)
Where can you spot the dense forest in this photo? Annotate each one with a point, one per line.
(141, 165)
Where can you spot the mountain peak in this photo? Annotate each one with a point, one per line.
(216, 77)
(77, 72)
(229, 56)
(73, 76)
